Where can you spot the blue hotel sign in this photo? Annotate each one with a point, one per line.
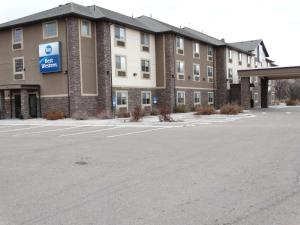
(50, 59)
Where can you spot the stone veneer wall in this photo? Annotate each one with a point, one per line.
(221, 94)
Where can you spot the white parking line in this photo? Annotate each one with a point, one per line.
(288, 113)
(89, 132)
(47, 131)
(137, 132)
(2, 127)
(27, 128)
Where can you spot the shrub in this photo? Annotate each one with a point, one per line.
(54, 115)
(164, 115)
(231, 109)
(181, 109)
(137, 114)
(102, 114)
(291, 102)
(80, 115)
(205, 110)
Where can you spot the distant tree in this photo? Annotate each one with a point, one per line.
(281, 89)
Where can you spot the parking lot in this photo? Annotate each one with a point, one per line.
(211, 172)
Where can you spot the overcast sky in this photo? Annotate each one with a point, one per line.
(277, 22)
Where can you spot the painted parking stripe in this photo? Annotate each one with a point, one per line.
(137, 132)
(20, 129)
(2, 127)
(48, 131)
(88, 132)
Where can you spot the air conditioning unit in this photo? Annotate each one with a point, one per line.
(230, 60)
(197, 78)
(145, 48)
(17, 46)
(196, 55)
(121, 73)
(180, 51)
(121, 43)
(19, 76)
(210, 80)
(249, 65)
(240, 63)
(146, 75)
(210, 58)
(180, 76)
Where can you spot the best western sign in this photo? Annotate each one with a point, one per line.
(50, 60)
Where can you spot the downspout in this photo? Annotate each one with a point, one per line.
(67, 71)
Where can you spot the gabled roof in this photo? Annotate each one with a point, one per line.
(161, 27)
(91, 12)
(250, 46)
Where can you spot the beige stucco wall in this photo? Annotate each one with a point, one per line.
(51, 84)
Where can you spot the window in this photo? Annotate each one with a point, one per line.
(197, 98)
(210, 74)
(210, 53)
(249, 61)
(146, 98)
(86, 28)
(230, 55)
(180, 45)
(180, 97)
(145, 68)
(196, 50)
(230, 76)
(121, 65)
(17, 38)
(240, 58)
(120, 36)
(145, 42)
(255, 97)
(122, 97)
(196, 70)
(210, 98)
(50, 29)
(18, 69)
(180, 70)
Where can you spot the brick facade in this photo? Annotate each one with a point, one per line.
(245, 92)
(222, 96)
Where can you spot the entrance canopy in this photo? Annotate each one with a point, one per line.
(273, 73)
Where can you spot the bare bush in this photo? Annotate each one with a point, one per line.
(205, 110)
(231, 109)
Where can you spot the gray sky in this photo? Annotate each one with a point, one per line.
(275, 21)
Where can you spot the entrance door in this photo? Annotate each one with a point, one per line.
(33, 105)
(18, 105)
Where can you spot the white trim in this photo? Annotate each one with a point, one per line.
(88, 95)
(196, 43)
(195, 88)
(213, 94)
(54, 96)
(118, 39)
(177, 48)
(196, 64)
(117, 70)
(177, 73)
(13, 39)
(80, 59)
(182, 92)
(14, 68)
(198, 92)
(90, 28)
(121, 106)
(43, 27)
(147, 92)
(208, 77)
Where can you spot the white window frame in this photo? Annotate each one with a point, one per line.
(145, 72)
(117, 70)
(230, 55)
(248, 60)
(150, 97)
(177, 94)
(208, 76)
(228, 76)
(121, 106)
(19, 42)
(14, 68)
(240, 58)
(199, 93)
(120, 39)
(181, 41)
(178, 73)
(196, 75)
(213, 98)
(89, 35)
(194, 49)
(141, 37)
(209, 47)
(44, 26)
